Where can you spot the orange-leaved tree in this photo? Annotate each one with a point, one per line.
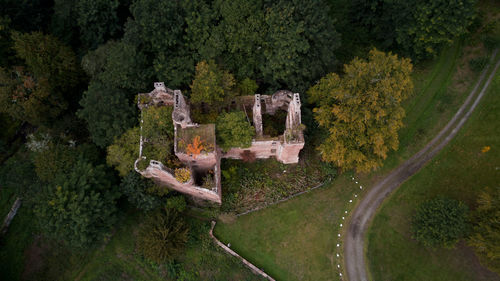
(195, 148)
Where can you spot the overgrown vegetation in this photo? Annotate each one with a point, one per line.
(69, 75)
(162, 236)
(234, 130)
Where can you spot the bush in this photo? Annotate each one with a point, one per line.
(78, 207)
(176, 203)
(182, 175)
(136, 189)
(478, 64)
(162, 236)
(440, 222)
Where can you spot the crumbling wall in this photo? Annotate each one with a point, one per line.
(262, 149)
(257, 116)
(288, 153)
(161, 174)
(203, 160)
(293, 117)
(286, 148)
(181, 114)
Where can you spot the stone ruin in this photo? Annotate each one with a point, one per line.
(285, 148)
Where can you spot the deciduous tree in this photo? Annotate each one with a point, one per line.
(162, 236)
(300, 43)
(119, 65)
(158, 26)
(414, 28)
(97, 20)
(79, 207)
(39, 91)
(124, 151)
(107, 112)
(362, 110)
(234, 130)
(485, 237)
(211, 84)
(136, 189)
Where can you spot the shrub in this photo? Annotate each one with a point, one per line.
(78, 207)
(440, 222)
(478, 64)
(176, 203)
(136, 189)
(162, 236)
(182, 175)
(124, 151)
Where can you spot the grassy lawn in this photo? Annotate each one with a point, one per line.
(296, 240)
(293, 240)
(460, 171)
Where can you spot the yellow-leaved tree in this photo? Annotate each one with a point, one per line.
(362, 110)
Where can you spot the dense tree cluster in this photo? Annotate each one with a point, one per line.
(79, 206)
(70, 72)
(417, 29)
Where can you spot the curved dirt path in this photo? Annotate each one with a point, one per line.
(354, 257)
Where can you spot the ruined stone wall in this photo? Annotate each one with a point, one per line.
(203, 160)
(289, 153)
(163, 176)
(262, 149)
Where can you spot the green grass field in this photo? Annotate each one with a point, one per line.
(460, 171)
(297, 240)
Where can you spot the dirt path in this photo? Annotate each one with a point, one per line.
(354, 257)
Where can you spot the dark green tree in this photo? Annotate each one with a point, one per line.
(78, 207)
(300, 43)
(135, 187)
(413, 28)
(53, 160)
(162, 236)
(440, 222)
(485, 237)
(234, 130)
(242, 30)
(119, 65)
(158, 28)
(107, 112)
(63, 23)
(39, 91)
(27, 15)
(97, 20)
(18, 174)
